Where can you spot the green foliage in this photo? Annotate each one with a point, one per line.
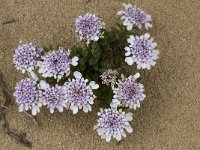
(51, 81)
(95, 58)
(107, 53)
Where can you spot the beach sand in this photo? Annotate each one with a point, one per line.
(169, 118)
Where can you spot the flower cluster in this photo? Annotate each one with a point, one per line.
(109, 77)
(142, 51)
(53, 97)
(79, 95)
(56, 64)
(89, 27)
(75, 94)
(29, 93)
(61, 86)
(28, 96)
(128, 93)
(133, 16)
(26, 57)
(113, 123)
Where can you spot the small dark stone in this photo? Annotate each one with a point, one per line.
(9, 21)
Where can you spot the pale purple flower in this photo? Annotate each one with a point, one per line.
(26, 57)
(28, 96)
(89, 27)
(109, 77)
(113, 123)
(53, 97)
(57, 64)
(142, 51)
(128, 92)
(133, 16)
(79, 94)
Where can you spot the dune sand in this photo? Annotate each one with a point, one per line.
(169, 116)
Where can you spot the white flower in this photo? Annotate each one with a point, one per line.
(26, 57)
(28, 96)
(112, 123)
(53, 97)
(128, 92)
(133, 16)
(57, 64)
(89, 27)
(78, 94)
(142, 51)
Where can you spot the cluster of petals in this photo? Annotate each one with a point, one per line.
(113, 123)
(89, 27)
(142, 51)
(26, 57)
(28, 96)
(57, 64)
(133, 16)
(128, 93)
(53, 96)
(79, 94)
(109, 77)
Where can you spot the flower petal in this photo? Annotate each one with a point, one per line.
(77, 75)
(94, 85)
(136, 76)
(129, 60)
(129, 27)
(43, 85)
(34, 76)
(34, 111)
(75, 61)
(75, 109)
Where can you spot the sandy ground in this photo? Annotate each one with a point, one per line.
(169, 116)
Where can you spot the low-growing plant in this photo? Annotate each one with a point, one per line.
(75, 78)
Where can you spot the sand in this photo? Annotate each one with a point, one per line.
(169, 116)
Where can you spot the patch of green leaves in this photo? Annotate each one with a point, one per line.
(107, 53)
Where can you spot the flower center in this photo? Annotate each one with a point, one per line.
(141, 50)
(129, 92)
(54, 98)
(86, 24)
(113, 122)
(24, 91)
(55, 61)
(76, 92)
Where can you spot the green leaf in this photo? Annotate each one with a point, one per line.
(93, 61)
(101, 70)
(51, 80)
(96, 67)
(103, 63)
(96, 77)
(96, 50)
(82, 67)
